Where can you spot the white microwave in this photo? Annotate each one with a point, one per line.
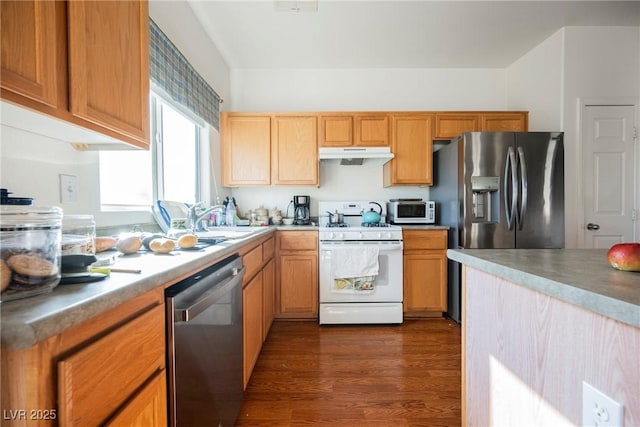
(411, 211)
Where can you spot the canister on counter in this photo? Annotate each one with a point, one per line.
(78, 235)
(30, 246)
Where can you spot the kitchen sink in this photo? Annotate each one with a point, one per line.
(229, 233)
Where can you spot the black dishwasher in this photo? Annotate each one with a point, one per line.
(204, 346)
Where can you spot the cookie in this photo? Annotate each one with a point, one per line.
(32, 266)
(5, 275)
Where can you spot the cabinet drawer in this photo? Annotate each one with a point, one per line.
(252, 262)
(95, 381)
(418, 239)
(268, 248)
(298, 241)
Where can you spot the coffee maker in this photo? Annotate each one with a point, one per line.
(301, 210)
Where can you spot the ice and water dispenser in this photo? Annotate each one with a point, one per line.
(485, 198)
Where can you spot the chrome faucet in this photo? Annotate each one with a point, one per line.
(195, 219)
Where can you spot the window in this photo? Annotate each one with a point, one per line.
(170, 170)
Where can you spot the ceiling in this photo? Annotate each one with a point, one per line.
(395, 34)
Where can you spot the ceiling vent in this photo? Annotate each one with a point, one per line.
(296, 6)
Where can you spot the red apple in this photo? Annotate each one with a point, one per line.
(625, 256)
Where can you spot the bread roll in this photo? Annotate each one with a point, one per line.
(187, 241)
(5, 275)
(162, 246)
(105, 243)
(129, 245)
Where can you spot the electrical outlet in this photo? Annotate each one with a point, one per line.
(599, 410)
(68, 188)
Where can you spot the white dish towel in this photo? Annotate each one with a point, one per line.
(350, 261)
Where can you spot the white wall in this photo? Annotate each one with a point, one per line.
(534, 84)
(358, 90)
(367, 89)
(575, 63)
(600, 62)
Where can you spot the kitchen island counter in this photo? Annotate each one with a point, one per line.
(538, 324)
(28, 321)
(582, 277)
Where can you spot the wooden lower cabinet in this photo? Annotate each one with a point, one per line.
(268, 296)
(107, 370)
(425, 272)
(147, 408)
(257, 300)
(251, 324)
(297, 275)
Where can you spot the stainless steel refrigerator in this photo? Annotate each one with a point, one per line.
(499, 190)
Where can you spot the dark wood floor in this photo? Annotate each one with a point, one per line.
(370, 375)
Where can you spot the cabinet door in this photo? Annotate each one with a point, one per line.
(412, 146)
(298, 290)
(450, 125)
(295, 150)
(335, 131)
(251, 324)
(109, 64)
(148, 408)
(505, 122)
(246, 150)
(425, 281)
(34, 51)
(371, 130)
(96, 380)
(268, 297)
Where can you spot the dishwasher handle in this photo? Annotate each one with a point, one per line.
(208, 298)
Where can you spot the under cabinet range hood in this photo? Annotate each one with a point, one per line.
(356, 155)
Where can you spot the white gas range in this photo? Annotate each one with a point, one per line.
(360, 265)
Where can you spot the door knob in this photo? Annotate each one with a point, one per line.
(592, 226)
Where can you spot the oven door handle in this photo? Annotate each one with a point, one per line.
(384, 246)
(208, 298)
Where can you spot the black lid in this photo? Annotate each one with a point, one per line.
(6, 200)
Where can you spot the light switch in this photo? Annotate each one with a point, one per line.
(68, 188)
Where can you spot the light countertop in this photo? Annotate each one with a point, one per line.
(28, 321)
(582, 277)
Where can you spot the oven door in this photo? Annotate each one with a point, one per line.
(388, 284)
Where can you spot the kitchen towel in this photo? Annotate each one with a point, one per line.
(354, 261)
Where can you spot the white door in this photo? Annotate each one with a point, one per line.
(609, 175)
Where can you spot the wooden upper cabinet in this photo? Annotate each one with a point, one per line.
(353, 129)
(335, 131)
(246, 150)
(294, 145)
(109, 64)
(517, 121)
(83, 62)
(371, 130)
(412, 146)
(450, 125)
(34, 50)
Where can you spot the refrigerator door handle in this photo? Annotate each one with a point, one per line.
(523, 183)
(510, 206)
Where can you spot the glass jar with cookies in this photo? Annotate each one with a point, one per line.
(30, 246)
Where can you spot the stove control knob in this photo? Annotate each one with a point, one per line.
(332, 236)
(379, 235)
(361, 235)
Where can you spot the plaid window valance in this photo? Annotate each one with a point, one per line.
(172, 73)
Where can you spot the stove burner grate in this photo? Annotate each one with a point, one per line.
(337, 225)
(375, 224)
